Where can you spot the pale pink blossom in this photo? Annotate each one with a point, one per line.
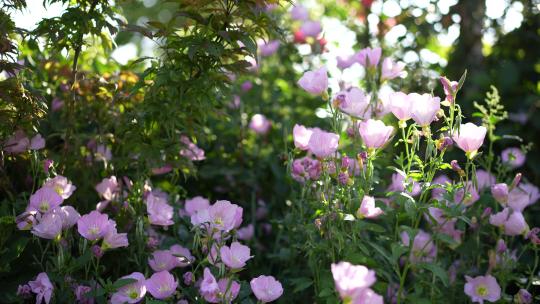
(44, 199)
(190, 150)
(266, 288)
(17, 143)
(314, 82)
(323, 144)
(351, 280)
(369, 57)
(108, 188)
(482, 288)
(268, 48)
(37, 142)
(195, 204)
(49, 226)
(299, 12)
(159, 212)
(301, 136)
(470, 137)
(42, 287)
(368, 209)
(132, 292)
(391, 69)
(424, 108)
(311, 28)
(354, 102)
(209, 286)
(513, 157)
(260, 124)
(183, 257)
(61, 185)
(375, 133)
(401, 105)
(235, 256)
(161, 285)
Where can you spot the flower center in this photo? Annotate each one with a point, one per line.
(44, 206)
(58, 190)
(482, 290)
(94, 230)
(132, 293)
(164, 288)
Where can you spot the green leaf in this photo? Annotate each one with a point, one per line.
(437, 271)
(301, 283)
(462, 80)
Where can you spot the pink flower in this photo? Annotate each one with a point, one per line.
(401, 105)
(366, 296)
(472, 194)
(235, 256)
(499, 218)
(513, 157)
(484, 179)
(344, 62)
(209, 286)
(399, 184)
(354, 102)
(113, 239)
(17, 143)
(49, 227)
(470, 137)
(225, 294)
(159, 212)
(449, 87)
(306, 168)
(56, 104)
(103, 153)
(37, 142)
(245, 233)
(368, 209)
(423, 247)
(191, 151)
(108, 188)
(266, 288)
(246, 86)
(225, 216)
(369, 57)
(482, 288)
(391, 70)
(524, 297)
(162, 260)
(93, 226)
(442, 180)
(268, 49)
(182, 255)
(314, 82)
(61, 185)
(300, 13)
(322, 143)
(44, 199)
(311, 28)
(161, 285)
(516, 224)
(500, 193)
(130, 293)
(424, 108)
(512, 222)
(195, 204)
(301, 136)
(42, 287)
(162, 170)
(83, 295)
(69, 216)
(260, 124)
(523, 196)
(375, 133)
(351, 280)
